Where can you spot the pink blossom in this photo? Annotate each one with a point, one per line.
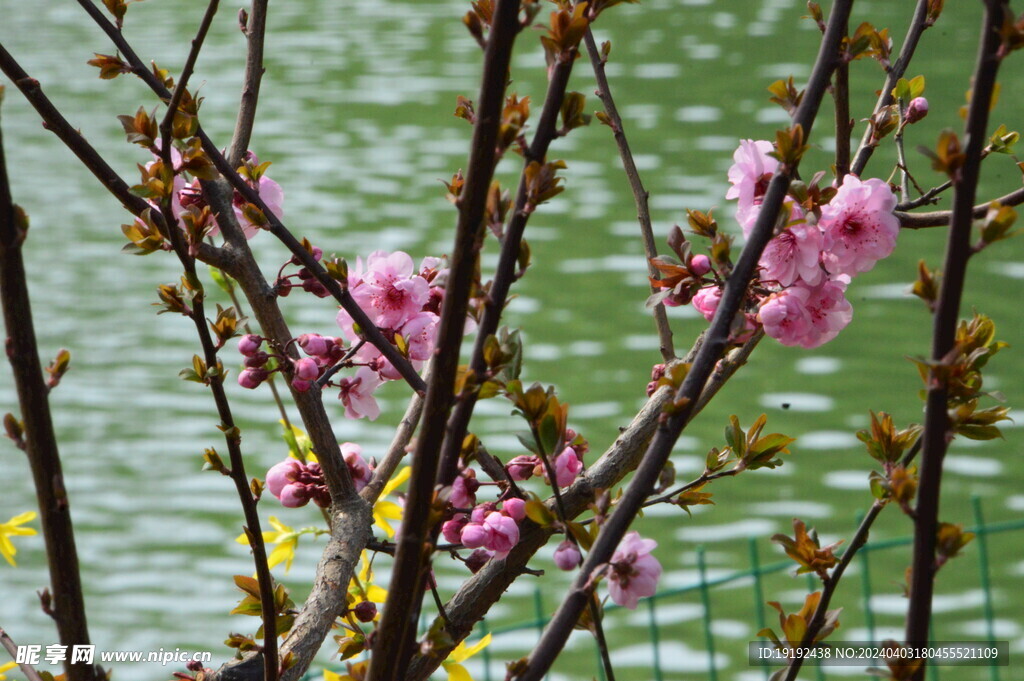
(301, 386)
(793, 254)
(474, 535)
(357, 467)
(295, 495)
(634, 571)
(503, 533)
(390, 293)
(421, 334)
(567, 556)
(784, 316)
(829, 311)
(567, 466)
(357, 394)
(859, 226)
(514, 508)
(750, 173)
(295, 483)
(706, 301)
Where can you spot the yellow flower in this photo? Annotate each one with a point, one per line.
(331, 676)
(362, 587)
(299, 445)
(11, 665)
(383, 511)
(286, 540)
(456, 672)
(11, 529)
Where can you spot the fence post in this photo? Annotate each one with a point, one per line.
(705, 599)
(986, 583)
(755, 568)
(655, 634)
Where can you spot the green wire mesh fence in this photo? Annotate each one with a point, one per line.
(659, 633)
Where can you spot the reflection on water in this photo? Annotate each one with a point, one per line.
(356, 117)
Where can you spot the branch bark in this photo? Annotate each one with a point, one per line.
(255, 34)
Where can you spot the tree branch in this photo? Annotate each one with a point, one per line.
(396, 633)
(255, 32)
(40, 441)
(640, 194)
(958, 251)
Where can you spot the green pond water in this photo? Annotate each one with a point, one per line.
(356, 116)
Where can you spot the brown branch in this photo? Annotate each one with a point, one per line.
(936, 425)
(255, 32)
(640, 194)
(557, 632)
(397, 451)
(941, 218)
(39, 437)
(396, 633)
(918, 24)
(844, 124)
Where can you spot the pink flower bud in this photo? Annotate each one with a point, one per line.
(306, 369)
(567, 556)
(294, 495)
(917, 109)
(477, 559)
(567, 467)
(706, 301)
(700, 265)
(452, 529)
(256, 360)
(464, 491)
(313, 344)
(357, 467)
(521, 467)
(514, 508)
(473, 536)
(251, 378)
(503, 531)
(249, 344)
(282, 474)
(301, 386)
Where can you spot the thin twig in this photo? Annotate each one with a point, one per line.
(41, 447)
(918, 25)
(255, 32)
(941, 218)
(28, 670)
(640, 194)
(844, 124)
(602, 643)
(958, 251)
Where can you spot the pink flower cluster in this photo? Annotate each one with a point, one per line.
(296, 483)
(488, 528)
(805, 268)
(399, 300)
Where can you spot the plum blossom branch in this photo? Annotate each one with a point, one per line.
(40, 440)
(640, 194)
(941, 218)
(557, 632)
(255, 31)
(396, 633)
(921, 21)
(936, 426)
(30, 673)
(275, 226)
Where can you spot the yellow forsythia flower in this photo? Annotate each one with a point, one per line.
(285, 540)
(11, 529)
(383, 511)
(6, 668)
(456, 672)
